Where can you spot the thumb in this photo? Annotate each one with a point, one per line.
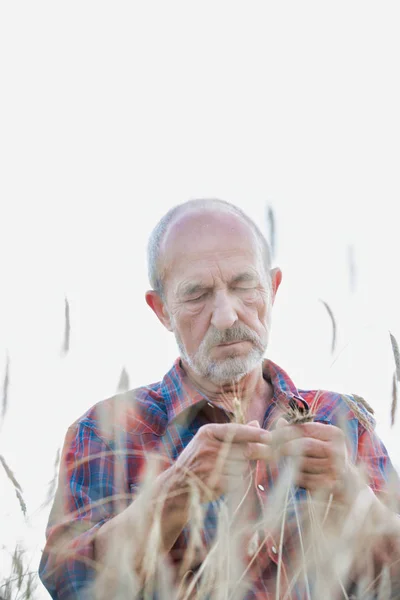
(281, 422)
(254, 423)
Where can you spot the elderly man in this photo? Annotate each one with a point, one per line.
(223, 479)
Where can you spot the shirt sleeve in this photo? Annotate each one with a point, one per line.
(84, 501)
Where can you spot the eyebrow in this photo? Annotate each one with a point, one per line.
(191, 289)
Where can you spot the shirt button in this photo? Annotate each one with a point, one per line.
(261, 487)
(274, 550)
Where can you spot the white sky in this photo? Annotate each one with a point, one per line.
(110, 113)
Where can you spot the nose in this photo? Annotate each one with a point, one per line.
(224, 314)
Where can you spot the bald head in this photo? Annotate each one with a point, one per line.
(184, 225)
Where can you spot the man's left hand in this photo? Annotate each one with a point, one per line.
(320, 450)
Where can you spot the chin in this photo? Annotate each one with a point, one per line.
(232, 369)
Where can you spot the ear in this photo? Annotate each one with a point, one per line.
(276, 278)
(157, 305)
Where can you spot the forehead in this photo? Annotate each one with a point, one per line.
(205, 245)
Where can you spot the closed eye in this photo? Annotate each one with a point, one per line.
(202, 297)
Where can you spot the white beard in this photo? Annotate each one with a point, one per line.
(232, 368)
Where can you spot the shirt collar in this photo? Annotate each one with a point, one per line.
(178, 397)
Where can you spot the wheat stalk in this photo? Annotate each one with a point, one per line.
(53, 482)
(333, 321)
(123, 383)
(6, 384)
(17, 487)
(271, 230)
(67, 328)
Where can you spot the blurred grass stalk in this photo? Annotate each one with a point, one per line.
(333, 541)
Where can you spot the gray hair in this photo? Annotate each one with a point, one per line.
(158, 234)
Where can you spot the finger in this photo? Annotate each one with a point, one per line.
(259, 452)
(315, 482)
(305, 447)
(235, 433)
(281, 422)
(233, 452)
(254, 423)
(322, 431)
(285, 434)
(315, 466)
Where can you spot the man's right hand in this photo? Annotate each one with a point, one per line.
(216, 459)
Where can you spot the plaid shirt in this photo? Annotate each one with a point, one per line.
(104, 457)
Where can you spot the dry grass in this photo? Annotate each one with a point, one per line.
(6, 383)
(393, 408)
(16, 485)
(334, 327)
(351, 262)
(21, 582)
(396, 354)
(396, 378)
(271, 228)
(52, 483)
(123, 383)
(67, 328)
(332, 544)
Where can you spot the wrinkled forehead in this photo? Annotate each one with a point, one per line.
(199, 242)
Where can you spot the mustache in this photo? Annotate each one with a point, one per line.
(237, 333)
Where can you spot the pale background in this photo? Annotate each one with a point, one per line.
(111, 113)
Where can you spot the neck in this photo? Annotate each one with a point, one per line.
(253, 392)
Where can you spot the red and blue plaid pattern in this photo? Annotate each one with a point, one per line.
(104, 458)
